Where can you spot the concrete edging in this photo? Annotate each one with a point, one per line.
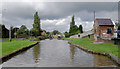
(112, 57)
(4, 58)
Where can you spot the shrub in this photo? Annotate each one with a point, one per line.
(42, 37)
(67, 35)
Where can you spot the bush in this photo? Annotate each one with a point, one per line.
(38, 38)
(67, 35)
(42, 37)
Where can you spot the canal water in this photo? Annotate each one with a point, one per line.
(57, 53)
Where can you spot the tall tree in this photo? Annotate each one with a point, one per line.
(36, 24)
(80, 28)
(73, 28)
(73, 22)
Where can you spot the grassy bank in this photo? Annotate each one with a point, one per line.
(102, 47)
(8, 47)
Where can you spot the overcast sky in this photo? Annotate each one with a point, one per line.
(57, 15)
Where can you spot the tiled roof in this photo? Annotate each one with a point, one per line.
(105, 22)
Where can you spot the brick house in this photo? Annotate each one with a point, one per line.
(103, 28)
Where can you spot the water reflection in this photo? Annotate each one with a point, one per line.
(72, 50)
(36, 53)
(98, 60)
(102, 61)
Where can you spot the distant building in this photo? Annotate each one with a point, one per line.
(103, 28)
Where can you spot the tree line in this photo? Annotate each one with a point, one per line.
(74, 29)
(22, 31)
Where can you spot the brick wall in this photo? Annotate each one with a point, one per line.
(103, 31)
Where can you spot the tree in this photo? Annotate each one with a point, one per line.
(4, 32)
(80, 28)
(73, 22)
(36, 25)
(47, 33)
(23, 31)
(73, 28)
(55, 32)
(34, 32)
(67, 34)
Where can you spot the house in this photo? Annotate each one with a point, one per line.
(103, 28)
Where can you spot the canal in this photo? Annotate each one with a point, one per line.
(57, 53)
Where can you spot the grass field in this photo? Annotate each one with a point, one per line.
(7, 47)
(102, 47)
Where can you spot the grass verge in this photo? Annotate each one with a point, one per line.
(102, 47)
(8, 47)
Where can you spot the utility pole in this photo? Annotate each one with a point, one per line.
(15, 33)
(95, 35)
(10, 33)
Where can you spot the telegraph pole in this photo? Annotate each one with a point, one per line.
(95, 36)
(15, 33)
(10, 34)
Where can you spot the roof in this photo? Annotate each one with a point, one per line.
(107, 22)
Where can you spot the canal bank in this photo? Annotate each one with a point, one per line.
(57, 53)
(109, 55)
(6, 57)
(89, 45)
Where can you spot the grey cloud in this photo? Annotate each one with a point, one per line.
(63, 9)
(17, 10)
(56, 10)
(18, 13)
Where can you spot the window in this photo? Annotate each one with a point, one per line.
(109, 31)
